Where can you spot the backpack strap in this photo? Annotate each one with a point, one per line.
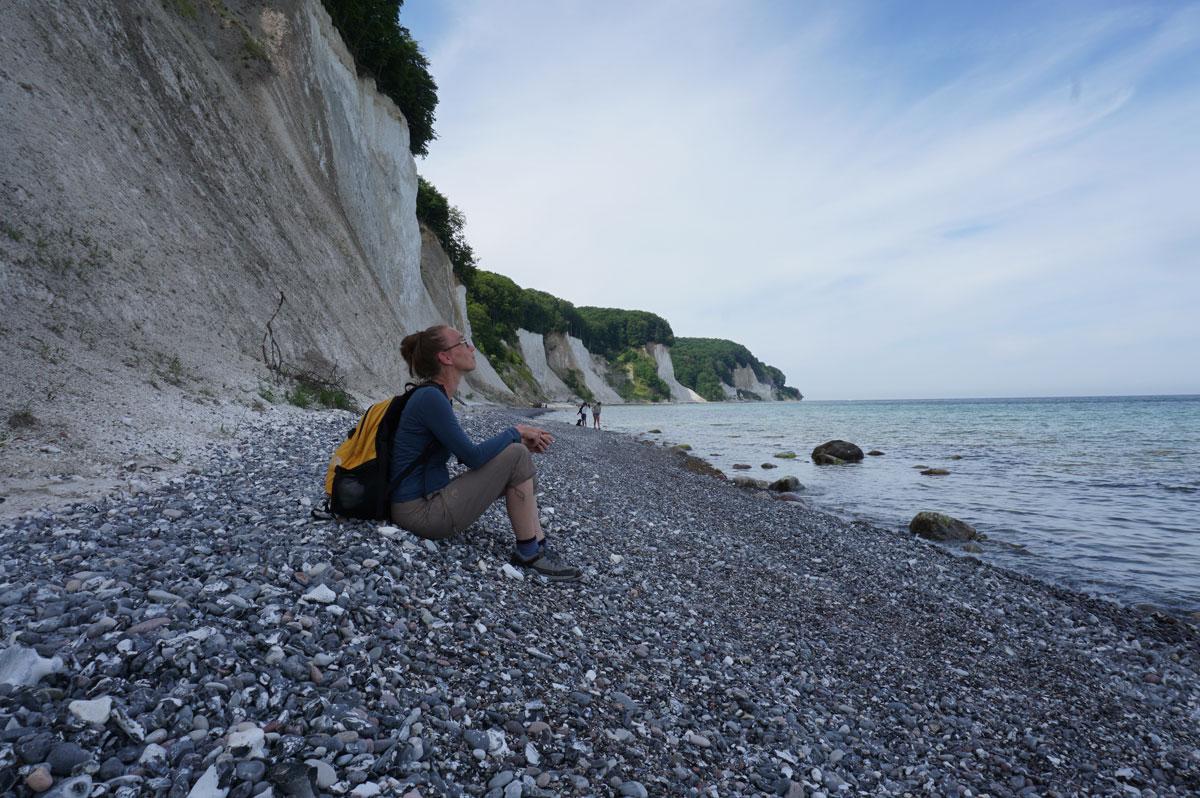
(425, 455)
(430, 448)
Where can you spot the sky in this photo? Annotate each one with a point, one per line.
(883, 199)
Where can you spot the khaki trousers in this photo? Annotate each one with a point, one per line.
(458, 505)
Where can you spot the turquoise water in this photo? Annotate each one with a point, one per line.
(1100, 494)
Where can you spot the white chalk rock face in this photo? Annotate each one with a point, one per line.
(533, 349)
(483, 380)
(368, 160)
(565, 353)
(745, 379)
(661, 354)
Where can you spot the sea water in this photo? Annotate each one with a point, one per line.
(1101, 494)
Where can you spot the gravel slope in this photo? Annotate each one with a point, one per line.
(215, 641)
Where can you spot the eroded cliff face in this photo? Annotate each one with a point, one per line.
(450, 298)
(533, 350)
(661, 354)
(744, 379)
(169, 176)
(566, 353)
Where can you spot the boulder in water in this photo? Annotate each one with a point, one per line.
(786, 484)
(936, 526)
(836, 452)
(749, 482)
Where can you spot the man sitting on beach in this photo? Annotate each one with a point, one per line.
(430, 504)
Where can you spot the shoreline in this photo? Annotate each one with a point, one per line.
(719, 642)
(1122, 542)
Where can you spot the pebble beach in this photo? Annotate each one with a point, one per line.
(207, 637)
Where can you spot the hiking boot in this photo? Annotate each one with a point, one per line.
(544, 564)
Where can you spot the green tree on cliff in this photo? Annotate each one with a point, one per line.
(447, 223)
(385, 50)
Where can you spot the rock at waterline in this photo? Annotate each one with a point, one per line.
(836, 452)
(767, 465)
(695, 464)
(785, 455)
(935, 472)
(874, 453)
(936, 526)
(786, 484)
(741, 466)
(749, 482)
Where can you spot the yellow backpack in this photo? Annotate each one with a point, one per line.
(358, 483)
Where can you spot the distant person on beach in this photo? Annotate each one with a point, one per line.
(596, 414)
(428, 502)
(582, 422)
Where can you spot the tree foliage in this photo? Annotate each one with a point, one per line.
(610, 331)
(643, 384)
(703, 364)
(385, 50)
(447, 223)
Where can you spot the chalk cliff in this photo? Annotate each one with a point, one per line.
(666, 372)
(533, 350)
(450, 297)
(567, 354)
(192, 190)
(745, 380)
(167, 178)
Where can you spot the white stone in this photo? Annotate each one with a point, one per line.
(321, 594)
(531, 755)
(131, 727)
(365, 789)
(511, 572)
(21, 666)
(151, 752)
(326, 775)
(252, 738)
(207, 786)
(98, 710)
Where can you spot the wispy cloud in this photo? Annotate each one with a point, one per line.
(865, 195)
